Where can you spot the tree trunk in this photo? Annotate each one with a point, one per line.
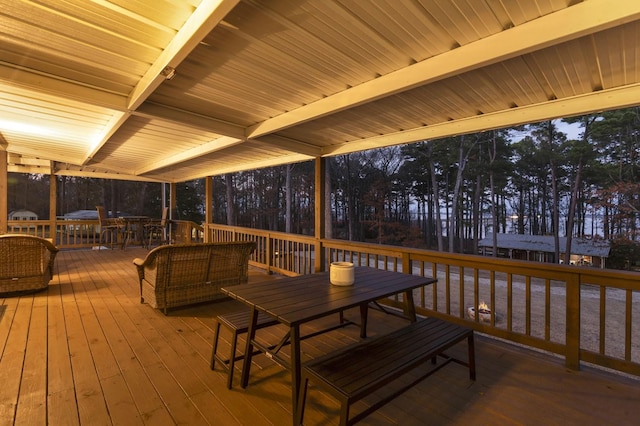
(436, 198)
(231, 204)
(572, 210)
(287, 216)
(328, 218)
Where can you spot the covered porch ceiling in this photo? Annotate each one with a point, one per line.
(88, 88)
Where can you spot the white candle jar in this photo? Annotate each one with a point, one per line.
(341, 273)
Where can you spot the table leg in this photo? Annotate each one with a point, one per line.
(296, 365)
(248, 352)
(364, 313)
(409, 307)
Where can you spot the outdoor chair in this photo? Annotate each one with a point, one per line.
(26, 263)
(108, 226)
(157, 231)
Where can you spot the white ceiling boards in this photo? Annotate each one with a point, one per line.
(86, 85)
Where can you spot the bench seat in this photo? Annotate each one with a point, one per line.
(237, 323)
(356, 371)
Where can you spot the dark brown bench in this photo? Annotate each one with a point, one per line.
(237, 323)
(357, 371)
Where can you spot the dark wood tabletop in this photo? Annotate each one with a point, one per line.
(304, 298)
(297, 300)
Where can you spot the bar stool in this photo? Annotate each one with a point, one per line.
(236, 323)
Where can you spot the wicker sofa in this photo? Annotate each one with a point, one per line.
(184, 274)
(26, 263)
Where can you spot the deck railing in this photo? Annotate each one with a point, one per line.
(582, 314)
(86, 233)
(579, 313)
(276, 252)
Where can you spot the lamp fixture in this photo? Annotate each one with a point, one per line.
(168, 72)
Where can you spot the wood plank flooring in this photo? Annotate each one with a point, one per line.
(87, 352)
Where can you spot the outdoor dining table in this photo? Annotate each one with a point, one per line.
(134, 226)
(294, 301)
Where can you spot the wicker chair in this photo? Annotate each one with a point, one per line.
(184, 274)
(26, 263)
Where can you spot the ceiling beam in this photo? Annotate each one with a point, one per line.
(206, 16)
(203, 20)
(622, 97)
(292, 145)
(31, 169)
(253, 165)
(199, 151)
(570, 23)
(21, 160)
(114, 123)
(102, 175)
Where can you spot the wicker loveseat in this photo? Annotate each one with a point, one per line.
(26, 263)
(183, 274)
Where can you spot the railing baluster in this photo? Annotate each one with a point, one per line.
(528, 306)
(628, 324)
(494, 307)
(547, 309)
(603, 316)
(525, 297)
(461, 290)
(476, 294)
(510, 301)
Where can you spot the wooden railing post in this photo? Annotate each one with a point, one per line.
(319, 258)
(269, 254)
(4, 189)
(572, 356)
(406, 263)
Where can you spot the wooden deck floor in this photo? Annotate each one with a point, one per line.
(87, 352)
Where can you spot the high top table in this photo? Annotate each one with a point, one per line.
(133, 225)
(294, 301)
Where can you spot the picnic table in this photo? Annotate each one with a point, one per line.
(294, 301)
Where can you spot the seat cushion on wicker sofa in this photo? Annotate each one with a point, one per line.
(26, 263)
(184, 274)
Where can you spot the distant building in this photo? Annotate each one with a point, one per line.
(541, 248)
(23, 215)
(82, 215)
(82, 229)
(89, 215)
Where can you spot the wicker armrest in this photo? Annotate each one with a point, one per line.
(139, 267)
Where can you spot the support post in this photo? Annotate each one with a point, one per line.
(173, 204)
(53, 191)
(319, 215)
(208, 208)
(4, 191)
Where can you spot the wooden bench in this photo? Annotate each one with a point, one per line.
(237, 323)
(357, 371)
